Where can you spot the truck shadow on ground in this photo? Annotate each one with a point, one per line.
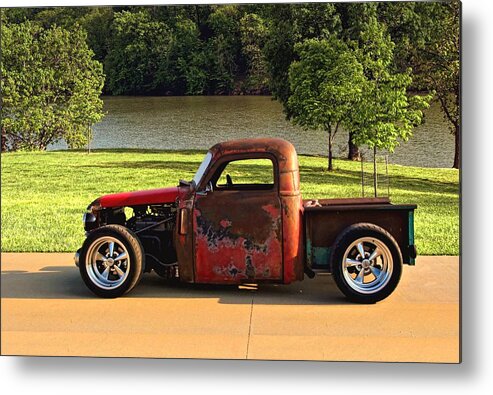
(63, 282)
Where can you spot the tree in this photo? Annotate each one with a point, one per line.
(50, 87)
(97, 23)
(385, 112)
(404, 22)
(139, 47)
(353, 18)
(326, 83)
(289, 24)
(185, 69)
(224, 47)
(64, 17)
(253, 34)
(438, 62)
(18, 14)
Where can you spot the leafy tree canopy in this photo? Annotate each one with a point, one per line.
(224, 47)
(185, 70)
(231, 49)
(138, 48)
(50, 86)
(326, 82)
(290, 24)
(253, 35)
(385, 114)
(437, 60)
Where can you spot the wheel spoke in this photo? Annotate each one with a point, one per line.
(375, 254)
(366, 265)
(360, 277)
(108, 262)
(376, 272)
(123, 255)
(352, 262)
(361, 250)
(112, 248)
(120, 272)
(106, 273)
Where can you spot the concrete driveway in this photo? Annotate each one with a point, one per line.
(47, 310)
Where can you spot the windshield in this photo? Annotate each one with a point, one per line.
(200, 172)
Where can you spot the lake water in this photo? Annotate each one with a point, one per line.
(197, 122)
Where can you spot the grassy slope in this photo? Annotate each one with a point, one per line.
(45, 194)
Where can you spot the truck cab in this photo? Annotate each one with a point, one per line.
(230, 226)
(243, 230)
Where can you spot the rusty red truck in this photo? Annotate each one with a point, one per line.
(223, 227)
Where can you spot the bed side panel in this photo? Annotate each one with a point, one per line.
(324, 224)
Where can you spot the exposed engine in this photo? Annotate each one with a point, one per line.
(154, 225)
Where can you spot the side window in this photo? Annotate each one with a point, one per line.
(246, 174)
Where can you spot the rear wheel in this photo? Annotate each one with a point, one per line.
(111, 261)
(366, 263)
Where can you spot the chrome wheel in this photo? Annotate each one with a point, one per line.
(367, 265)
(107, 263)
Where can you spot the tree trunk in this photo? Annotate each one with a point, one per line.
(4, 140)
(330, 166)
(457, 158)
(353, 150)
(88, 139)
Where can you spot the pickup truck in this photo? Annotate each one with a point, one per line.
(226, 226)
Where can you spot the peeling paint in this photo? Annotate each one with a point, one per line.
(249, 235)
(229, 253)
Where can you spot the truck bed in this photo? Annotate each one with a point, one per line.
(325, 219)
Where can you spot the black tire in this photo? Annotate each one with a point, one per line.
(384, 270)
(103, 277)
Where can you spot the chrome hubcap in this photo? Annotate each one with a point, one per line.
(367, 265)
(107, 262)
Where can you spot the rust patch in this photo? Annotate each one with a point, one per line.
(225, 223)
(292, 234)
(243, 244)
(240, 235)
(241, 211)
(184, 243)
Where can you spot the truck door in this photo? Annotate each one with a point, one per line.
(237, 222)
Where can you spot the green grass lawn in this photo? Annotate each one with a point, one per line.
(44, 194)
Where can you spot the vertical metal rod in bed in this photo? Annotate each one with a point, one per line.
(387, 174)
(375, 179)
(362, 177)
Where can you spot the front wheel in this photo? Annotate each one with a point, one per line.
(366, 263)
(111, 261)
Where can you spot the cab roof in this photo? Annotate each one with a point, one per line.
(283, 150)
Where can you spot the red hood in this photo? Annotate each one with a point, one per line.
(140, 198)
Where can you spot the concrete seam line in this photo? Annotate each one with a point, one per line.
(249, 327)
